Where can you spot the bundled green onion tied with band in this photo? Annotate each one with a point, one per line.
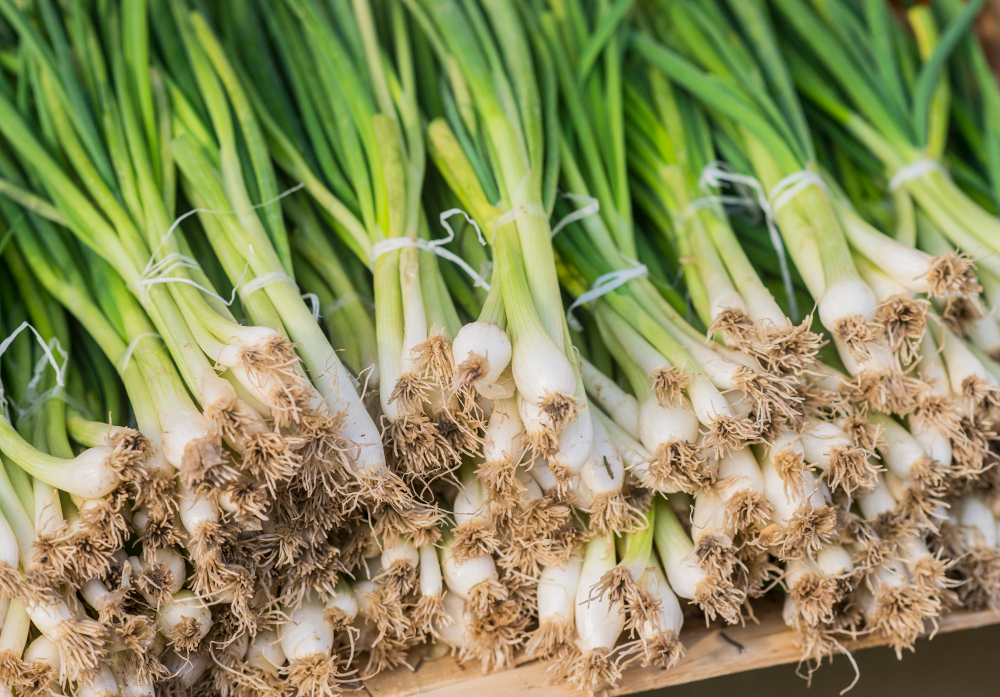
(502, 165)
(338, 333)
(62, 500)
(288, 441)
(942, 221)
(748, 86)
(371, 193)
(677, 369)
(493, 140)
(336, 423)
(887, 331)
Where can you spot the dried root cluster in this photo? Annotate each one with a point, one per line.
(399, 460)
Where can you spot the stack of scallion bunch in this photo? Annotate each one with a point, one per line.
(341, 334)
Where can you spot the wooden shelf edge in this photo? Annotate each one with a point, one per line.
(709, 655)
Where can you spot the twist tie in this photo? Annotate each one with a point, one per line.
(605, 284)
(435, 247)
(780, 196)
(914, 170)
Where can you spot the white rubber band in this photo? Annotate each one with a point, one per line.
(156, 271)
(714, 203)
(521, 211)
(486, 268)
(914, 170)
(793, 185)
(255, 284)
(447, 226)
(279, 277)
(130, 349)
(313, 301)
(588, 206)
(48, 358)
(342, 302)
(604, 285)
(36, 401)
(57, 392)
(435, 247)
(714, 175)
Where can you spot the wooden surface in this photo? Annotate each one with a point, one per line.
(708, 655)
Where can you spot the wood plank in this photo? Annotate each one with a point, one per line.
(709, 655)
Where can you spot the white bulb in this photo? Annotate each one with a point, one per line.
(541, 369)
(485, 344)
(306, 633)
(848, 297)
(663, 425)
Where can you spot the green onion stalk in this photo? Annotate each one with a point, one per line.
(481, 349)
(706, 239)
(690, 579)
(902, 592)
(499, 508)
(40, 446)
(50, 556)
(97, 528)
(669, 434)
(80, 641)
(607, 244)
(908, 135)
(122, 330)
(493, 142)
(540, 532)
(655, 615)
(967, 321)
(557, 586)
(974, 547)
(343, 291)
(620, 584)
(909, 128)
(157, 502)
(593, 662)
(371, 195)
(124, 216)
(975, 102)
(937, 421)
(81, 536)
(767, 128)
(384, 600)
(475, 532)
(384, 634)
(507, 305)
(669, 149)
(343, 450)
(723, 545)
(817, 606)
(803, 517)
(496, 611)
(565, 453)
(126, 337)
(96, 525)
(32, 670)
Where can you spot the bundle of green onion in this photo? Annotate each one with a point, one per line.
(338, 335)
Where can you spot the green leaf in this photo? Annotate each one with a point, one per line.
(929, 75)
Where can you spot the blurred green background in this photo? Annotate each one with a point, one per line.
(964, 663)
